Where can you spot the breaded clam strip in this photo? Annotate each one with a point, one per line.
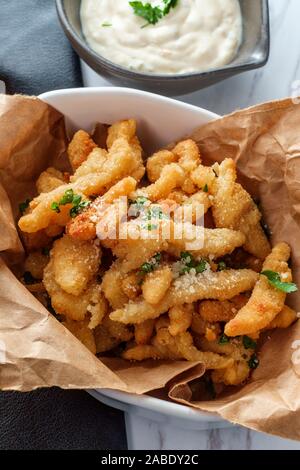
(142, 352)
(284, 319)
(83, 227)
(216, 242)
(126, 130)
(73, 307)
(75, 263)
(49, 179)
(172, 176)
(116, 167)
(182, 347)
(187, 289)
(79, 148)
(234, 208)
(133, 253)
(266, 301)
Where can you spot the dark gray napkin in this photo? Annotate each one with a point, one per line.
(36, 57)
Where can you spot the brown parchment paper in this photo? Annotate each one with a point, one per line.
(37, 351)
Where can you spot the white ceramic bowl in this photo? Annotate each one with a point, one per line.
(160, 121)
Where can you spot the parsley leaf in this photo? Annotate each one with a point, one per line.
(79, 207)
(205, 189)
(151, 265)
(105, 24)
(249, 343)
(253, 362)
(24, 205)
(275, 281)
(190, 263)
(70, 198)
(223, 339)
(55, 207)
(152, 14)
(222, 266)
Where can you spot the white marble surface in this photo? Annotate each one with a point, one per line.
(278, 79)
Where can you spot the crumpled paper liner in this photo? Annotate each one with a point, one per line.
(37, 351)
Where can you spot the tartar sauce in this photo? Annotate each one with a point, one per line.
(196, 35)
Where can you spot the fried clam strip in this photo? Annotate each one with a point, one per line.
(181, 317)
(112, 286)
(183, 347)
(82, 332)
(83, 227)
(74, 307)
(110, 334)
(234, 208)
(193, 208)
(49, 179)
(156, 284)
(127, 130)
(203, 241)
(186, 153)
(75, 263)
(141, 352)
(175, 237)
(134, 252)
(144, 331)
(188, 156)
(266, 301)
(239, 370)
(80, 148)
(284, 319)
(215, 311)
(172, 176)
(187, 289)
(121, 161)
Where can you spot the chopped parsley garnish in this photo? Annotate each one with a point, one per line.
(150, 227)
(28, 278)
(253, 362)
(190, 263)
(67, 198)
(55, 207)
(150, 266)
(78, 208)
(24, 205)
(140, 201)
(205, 189)
(222, 266)
(153, 214)
(70, 198)
(249, 343)
(153, 14)
(275, 281)
(223, 339)
(106, 24)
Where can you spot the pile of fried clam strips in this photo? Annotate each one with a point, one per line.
(147, 295)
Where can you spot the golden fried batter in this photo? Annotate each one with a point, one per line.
(75, 263)
(266, 301)
(234, 208)
(79, 148)
(187, 289)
